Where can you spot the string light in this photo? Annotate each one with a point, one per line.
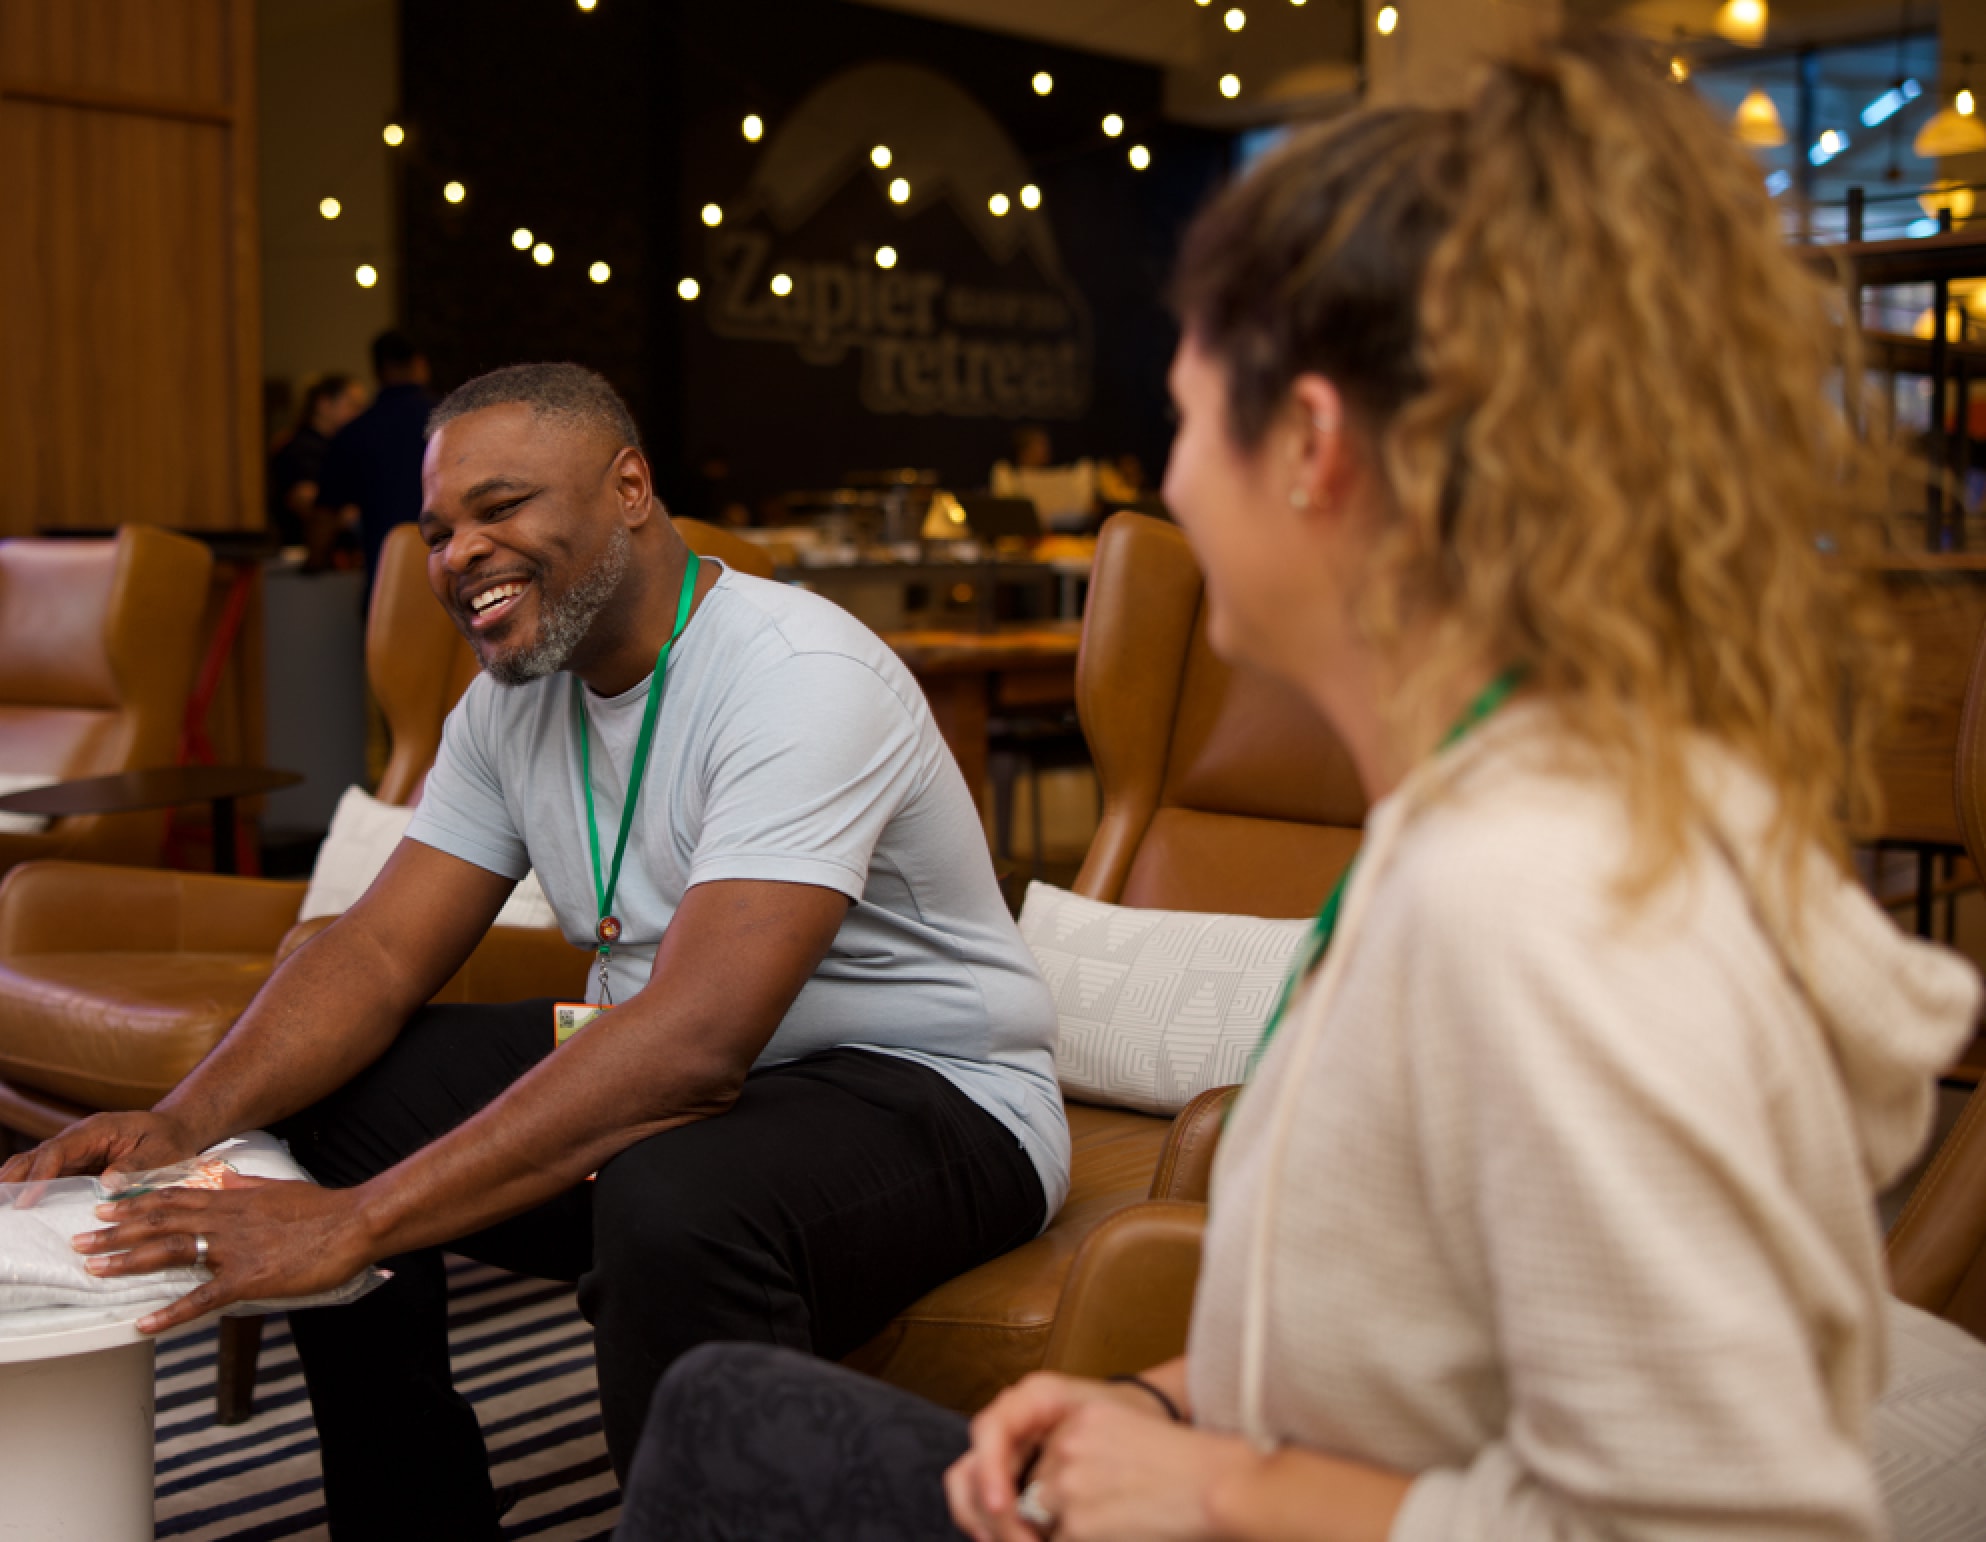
(587, 5)
(393, 134)
(1740, 21)
(599, 273)
(521, 238)
(1235, 19)
(1230, 86)
(1112, 125)
(1678, 69)
(1964, 103)
(1043, 82)
(998, 204)
(367, 275)
(541, 254)
(688, 289)
(1030, 197)
(1139, 157)
(330, 208)
(754, 127)
(899, 191)
(880, 157)
(782, 284)
(455, 192)
(712, 215)
(1387, 19)
(886, 256)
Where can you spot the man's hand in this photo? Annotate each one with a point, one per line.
(264, 1239)
(133, 1142)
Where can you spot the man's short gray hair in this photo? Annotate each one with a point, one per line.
(569, 391)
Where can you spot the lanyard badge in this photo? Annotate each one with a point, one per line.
(608, 929)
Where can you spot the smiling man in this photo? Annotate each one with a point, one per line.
(824, 1083)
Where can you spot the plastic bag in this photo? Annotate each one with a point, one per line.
(40, 1271)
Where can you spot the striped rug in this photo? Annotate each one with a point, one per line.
(522, 1355)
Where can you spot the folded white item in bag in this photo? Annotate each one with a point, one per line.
(40, 1270)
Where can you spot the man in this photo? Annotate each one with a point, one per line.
(372, 471)
(826, 1084)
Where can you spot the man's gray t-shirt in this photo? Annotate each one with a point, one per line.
(792, 746)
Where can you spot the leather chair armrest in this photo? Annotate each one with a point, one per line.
(1186, 1162)
(81, 907)
(1129, 1296)
(1937, 1248)
(511, 963)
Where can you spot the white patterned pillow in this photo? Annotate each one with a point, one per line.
(1156, 1006)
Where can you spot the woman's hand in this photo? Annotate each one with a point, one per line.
(1007, 1436)
(264, 1239)
(1110, 1474)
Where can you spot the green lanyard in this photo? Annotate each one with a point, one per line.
(1492, 696)
(608, 930)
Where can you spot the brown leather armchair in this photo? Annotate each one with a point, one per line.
(114, 982)
(98, 643)
(1222, 791)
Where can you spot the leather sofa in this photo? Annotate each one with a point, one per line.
(1222, 791)
(98, 643)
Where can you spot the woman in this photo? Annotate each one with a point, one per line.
(1509, 436)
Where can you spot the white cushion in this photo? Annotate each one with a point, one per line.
(362, 836)
(1156, 1006)
(23, 824)
(1929, 1431)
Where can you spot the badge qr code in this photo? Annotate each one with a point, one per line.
(568, 1017)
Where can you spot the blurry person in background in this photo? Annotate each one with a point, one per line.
(372, 472)
(297, 466)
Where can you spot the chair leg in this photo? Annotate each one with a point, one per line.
(241, 1348)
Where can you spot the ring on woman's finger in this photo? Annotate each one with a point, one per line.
(1032, 1507)
(199, 1248)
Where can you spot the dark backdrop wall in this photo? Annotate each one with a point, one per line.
(607, 133)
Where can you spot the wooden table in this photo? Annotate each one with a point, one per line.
(966, 675)
(133, 792)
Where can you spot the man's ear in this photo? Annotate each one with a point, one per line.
(634, 487)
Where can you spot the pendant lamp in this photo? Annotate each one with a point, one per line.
(1758, 121)
(1955, 128)
(1955, 196)
(1740, 21)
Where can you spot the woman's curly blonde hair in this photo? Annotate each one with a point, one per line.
(1607, 402)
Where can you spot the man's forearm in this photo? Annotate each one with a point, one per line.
(328, 1011)
(620, 1081)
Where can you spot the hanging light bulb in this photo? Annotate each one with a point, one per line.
(521, 238)
(455, 192)
(1387, 19)
(899, 190)
(393, 134)
(689, 288)
(998, 204)
(1740, 21)
(330, 208)
(1757, 121)
(541, 254)
(1112, 125)
(753, 127)
(1043, 82)
(1030, 197)
(880, 157)
(712, 215)
(599, 273)
(367, 275)
(1140, 157)
(1235, 19)
(782, 284)
(1956, 129)
(886, 256)
(1230, 86)
(1955, 196)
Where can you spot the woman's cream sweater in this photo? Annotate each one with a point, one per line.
(1564, 1207)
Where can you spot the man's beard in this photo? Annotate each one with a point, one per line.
(565, 618)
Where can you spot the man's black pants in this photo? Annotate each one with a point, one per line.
(837, 1190)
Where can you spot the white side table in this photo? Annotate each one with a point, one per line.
(76, 1433)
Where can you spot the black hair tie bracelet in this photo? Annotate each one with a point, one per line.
(1171, 1408)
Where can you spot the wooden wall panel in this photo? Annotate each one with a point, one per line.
(129, 295)
(174, 49)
